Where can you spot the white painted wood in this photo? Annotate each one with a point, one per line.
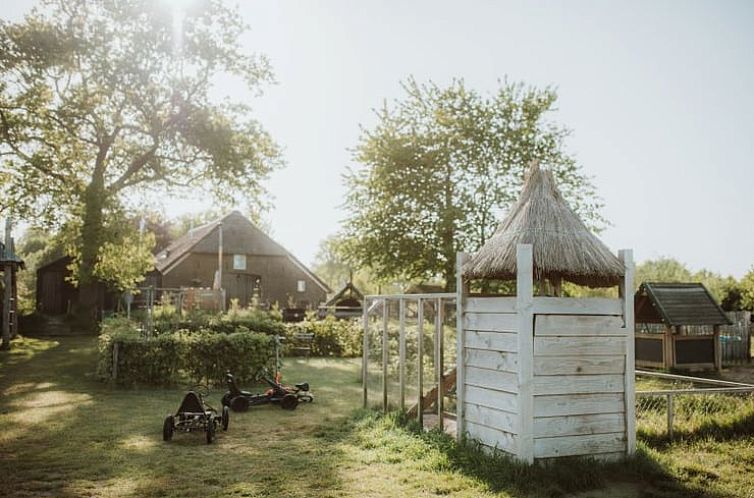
(507, 402)
(439, 362)
(578, 404)
(578, 384)
(493, 438)
(579, 346)
(577, 306)
(461, 305)
(586, 325)
(579, 365)
(525, 328)
(494, 360)
(420, 357)
(490, 304)
(627, 295)
(577, 425)
(579, 445)
(365, 355)
(496, 341)
(491, 379)
(491, 417)
(385, 317)
(491, 322)
(402, 352)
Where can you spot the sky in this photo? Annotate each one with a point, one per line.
(658, 95)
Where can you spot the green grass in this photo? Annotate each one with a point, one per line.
(65, 433)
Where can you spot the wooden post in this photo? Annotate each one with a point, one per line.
(524, 307)
(670, 416)
(8, 284)
(365, 352)
(385, 316)
(626, 291)
(402, 352)
(718, 352)
(115, 360)
(439, 346)
(461, 291)
(420, 360)
(667, 353)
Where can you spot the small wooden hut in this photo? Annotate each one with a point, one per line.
(676, 307)
(540, 377)
(348, 302)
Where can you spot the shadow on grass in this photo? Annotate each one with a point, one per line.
(110, 443)
(556, 477)
(728, 429)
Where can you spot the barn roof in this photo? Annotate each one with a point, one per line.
(563, 246)
(677, 304)
(261, 244)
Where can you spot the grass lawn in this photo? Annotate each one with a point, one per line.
(67, 434)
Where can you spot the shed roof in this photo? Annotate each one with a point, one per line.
(348, 291)
(10, 256)
(677, 304)
(563, 246)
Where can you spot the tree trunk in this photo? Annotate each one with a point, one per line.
(87, 310)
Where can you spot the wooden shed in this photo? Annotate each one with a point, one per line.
(543, 376)
(677, 306)
(348, 302)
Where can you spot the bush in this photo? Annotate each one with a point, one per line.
(200, 356)
(332, 337)
(166, 320)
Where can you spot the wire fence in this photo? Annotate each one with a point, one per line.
(670, 406)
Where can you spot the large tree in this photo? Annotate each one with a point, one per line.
(441, 164)
(99, 98)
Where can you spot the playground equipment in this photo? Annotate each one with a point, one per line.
(539, 376)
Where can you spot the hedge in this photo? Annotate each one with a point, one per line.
(332, 337)
(200, 356)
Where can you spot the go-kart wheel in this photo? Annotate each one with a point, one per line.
(167, 428)
(226, 417)
(211, 429)
(239, 404)
(289, 402)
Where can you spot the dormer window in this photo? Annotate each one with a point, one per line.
(239, 261)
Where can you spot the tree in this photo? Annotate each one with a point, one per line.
(334, 266)
(438, 168)
(101, 98)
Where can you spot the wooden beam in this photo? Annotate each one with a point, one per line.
(626, 291)
(525, 307)
(462, 291)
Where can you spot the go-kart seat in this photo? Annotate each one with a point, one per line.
(191, 404)
(233, 387)
(304, 386)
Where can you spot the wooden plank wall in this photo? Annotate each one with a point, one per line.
(579, 378)
(490, 366)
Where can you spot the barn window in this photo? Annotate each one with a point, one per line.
(239, 261)
(302, 285)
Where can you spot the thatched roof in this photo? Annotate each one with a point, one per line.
(563, 247)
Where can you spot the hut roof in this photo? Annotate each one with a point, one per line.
(677, 304)
(348, 291)
(563, 247)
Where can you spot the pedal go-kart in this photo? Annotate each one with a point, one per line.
(288, 397)
(195, 414)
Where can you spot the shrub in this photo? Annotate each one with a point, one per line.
(332, 337)
(200, 356)
(165, 321)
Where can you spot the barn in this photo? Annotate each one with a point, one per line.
(253, 265)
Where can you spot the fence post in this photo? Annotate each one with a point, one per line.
(402, 351)
(420, 360)
(115, 361)
(524, 309)
(385, 313)
(626, 291)
(365, 351)
(439, 362)
(670, 416)
(461, 291)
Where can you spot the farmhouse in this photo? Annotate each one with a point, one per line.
(253, 266)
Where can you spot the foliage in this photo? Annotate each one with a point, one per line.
(332, 337)
(99, 99)
(166, 320)
(202, 355)
(747, 290)
(666, 269)
(439, 167)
